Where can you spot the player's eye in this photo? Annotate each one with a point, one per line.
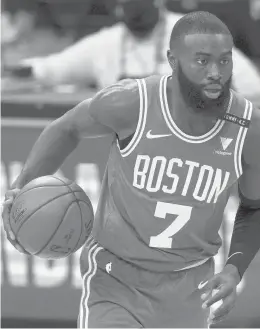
(224, 61)
(202, 61)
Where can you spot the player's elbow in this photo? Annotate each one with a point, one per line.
(65, 127)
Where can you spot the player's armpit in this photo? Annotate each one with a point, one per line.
(249, 182)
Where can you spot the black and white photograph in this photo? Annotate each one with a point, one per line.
(130, 164)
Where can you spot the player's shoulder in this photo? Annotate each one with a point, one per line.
(242, 107)
(251, 150)
(239, 99)
(153, 79)
(122, 93)
(245, 109)
(250, 111)
(253, 134)
(117, 106)
(125, 92)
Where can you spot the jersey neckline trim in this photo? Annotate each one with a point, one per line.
(175, 129)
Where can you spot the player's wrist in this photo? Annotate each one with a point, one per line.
(233, 271)
(18, 184)
(24, 178)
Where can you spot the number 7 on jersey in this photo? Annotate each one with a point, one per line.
(164, 239)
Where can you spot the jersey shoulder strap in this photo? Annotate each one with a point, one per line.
(148, 89)
(240, 112)
(127, 146)
(239, 120)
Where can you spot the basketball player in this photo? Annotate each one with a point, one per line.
(179, 143)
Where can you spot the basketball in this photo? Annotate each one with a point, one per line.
(51, 217)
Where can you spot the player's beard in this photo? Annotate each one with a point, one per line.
(193, 96)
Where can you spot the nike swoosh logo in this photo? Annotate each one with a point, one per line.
(202, 284)
(149, 135)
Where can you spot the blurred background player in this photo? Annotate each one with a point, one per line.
(134, 47)
(150, 259)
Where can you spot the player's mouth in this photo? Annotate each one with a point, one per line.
(213, 91)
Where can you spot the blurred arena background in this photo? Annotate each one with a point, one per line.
(40, 293)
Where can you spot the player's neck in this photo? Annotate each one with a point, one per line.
(189, 120)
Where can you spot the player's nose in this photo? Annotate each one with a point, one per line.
(214, 73)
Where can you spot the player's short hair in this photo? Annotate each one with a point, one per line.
(201, 22)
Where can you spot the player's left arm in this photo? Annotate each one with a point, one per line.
(245, 241)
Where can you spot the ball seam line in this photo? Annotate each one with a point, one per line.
(89, 203)
(81, 216)
(57, 197)
(38, 186)
(58, 226)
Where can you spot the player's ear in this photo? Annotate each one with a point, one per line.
(171, 59)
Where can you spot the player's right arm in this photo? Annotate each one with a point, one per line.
(114, 111)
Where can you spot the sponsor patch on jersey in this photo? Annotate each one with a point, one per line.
(236, 120)
(225, 142)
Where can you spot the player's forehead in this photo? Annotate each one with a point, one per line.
(215, 44)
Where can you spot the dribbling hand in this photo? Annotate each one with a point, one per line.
(225, 284)
(7, 206)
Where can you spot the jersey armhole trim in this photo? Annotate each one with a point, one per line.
(241, 139)
(141, 120)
